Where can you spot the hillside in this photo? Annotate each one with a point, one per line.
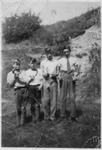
(82, 47)
(52, 35)
(77, 25)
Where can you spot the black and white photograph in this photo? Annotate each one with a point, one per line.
(50, 74)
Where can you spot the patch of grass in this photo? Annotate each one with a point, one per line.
(63, 134)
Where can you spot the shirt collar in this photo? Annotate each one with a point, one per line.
(50, 60)
(33, 70)
(66, 58)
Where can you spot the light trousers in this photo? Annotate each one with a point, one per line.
(49, 98)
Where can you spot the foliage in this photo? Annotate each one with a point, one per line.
(94, 78)
(72, 28)
(43, 36)
(60, 42)
(17, 28)
(76, 26)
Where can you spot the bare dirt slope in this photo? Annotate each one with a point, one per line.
(83, 44)
(81, 48)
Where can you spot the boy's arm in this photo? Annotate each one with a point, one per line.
(11, 80)
(41, 80)
(43, 69)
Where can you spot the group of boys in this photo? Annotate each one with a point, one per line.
(41, 84)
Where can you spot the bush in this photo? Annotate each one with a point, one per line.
(94, 85)
(17, 28)
(43, 36)
(60, 42)
(76, 26)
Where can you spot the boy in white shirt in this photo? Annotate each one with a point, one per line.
(49, 96)
(17, 79)
(68, 74)
(35, 86)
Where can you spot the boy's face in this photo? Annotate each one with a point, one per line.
(49, 55)
(33, 65)
(67, 53)
(16, 66)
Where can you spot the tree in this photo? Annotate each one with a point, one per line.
(17, 28)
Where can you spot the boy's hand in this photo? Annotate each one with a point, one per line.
(45, 74)
(39, 87)
(59, 77)
(31, 78)
(16, 73)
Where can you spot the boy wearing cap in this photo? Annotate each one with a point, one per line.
(17, 79)
(49, 72)
(35, 86)
(68, 75)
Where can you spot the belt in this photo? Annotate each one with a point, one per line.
(65, 71)
(50, 77)
(18, 88)
(34, 85)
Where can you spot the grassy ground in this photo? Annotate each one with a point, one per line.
(64, 134)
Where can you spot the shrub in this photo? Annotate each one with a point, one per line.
(43, 36)
(94, 84)
(17, 28)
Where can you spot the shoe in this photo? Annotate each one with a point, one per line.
(63, 116)
(61, 119)
(46, 120)
(18, 126)
(33, 118)
(52, 120)
(74, 119)
(37, 120)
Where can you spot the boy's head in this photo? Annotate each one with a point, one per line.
(48, 52)
(16, 64)
(33, 63)
(66, 52)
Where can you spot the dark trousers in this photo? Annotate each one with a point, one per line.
(34, 100)
(67, 92)
(21, 100)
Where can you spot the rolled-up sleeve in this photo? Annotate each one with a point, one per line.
(43, 67)
(10, 78)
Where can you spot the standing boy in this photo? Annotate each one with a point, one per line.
(17, 79)
(35, 86)
(67, 78)
(49, 72)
